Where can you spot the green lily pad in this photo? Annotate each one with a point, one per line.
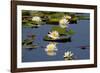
(70, 32)
(32, 24)
(62, 40)
(28, 41)
(63, 31)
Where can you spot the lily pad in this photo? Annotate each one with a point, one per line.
(60, 40)
(28, 41)
(62, 31)
(70, 32)
(32, 24)
(30, 46)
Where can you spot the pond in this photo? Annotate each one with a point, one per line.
(79, 39)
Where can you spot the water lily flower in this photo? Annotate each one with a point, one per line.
(51, 47)
(68, 17)
(37, 19)
(54, 35)
(63, 23)
(68, 55)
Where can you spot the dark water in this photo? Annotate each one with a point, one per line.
(80, 38)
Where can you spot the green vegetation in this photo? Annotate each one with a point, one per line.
(53, 20)
(62, 31)
(49, 17)
(25, 13)
(83, 17)
(29, 40)
(65, 39)
(28, 43)
(64, 34)
(70, 32)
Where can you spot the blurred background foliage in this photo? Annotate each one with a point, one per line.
(51, 17)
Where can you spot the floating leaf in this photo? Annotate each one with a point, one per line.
(31, 46)
(62, 31)
(62, 40)
(70, 32)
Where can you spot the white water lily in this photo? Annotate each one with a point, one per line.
(68, 17)
(37, 19)
(54, 35)
(68, 55)
(63, 23)
(51, 47)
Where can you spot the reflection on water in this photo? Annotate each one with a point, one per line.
(51, 51)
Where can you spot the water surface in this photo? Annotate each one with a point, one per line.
(80, 38)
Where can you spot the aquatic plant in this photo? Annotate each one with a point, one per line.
(60, 40)
(59, 34)
(30, 47)
(63, 31)
(63, 23)
(67, 17)
(28, 43)
(68, 55)
(37, 20)
(54, 35)
(51, 49)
